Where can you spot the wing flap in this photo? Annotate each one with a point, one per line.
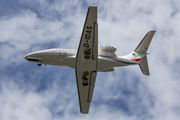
(92, 85)
(95, 42)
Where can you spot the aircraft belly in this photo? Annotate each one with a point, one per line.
(51, 61)
(59, 62)
(104, 64)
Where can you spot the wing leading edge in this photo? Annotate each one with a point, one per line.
(86, 60)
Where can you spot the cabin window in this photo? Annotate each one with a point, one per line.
(63, 52)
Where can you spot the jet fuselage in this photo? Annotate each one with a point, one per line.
(66, 57)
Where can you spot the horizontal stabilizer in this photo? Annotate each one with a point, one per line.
(144, 66)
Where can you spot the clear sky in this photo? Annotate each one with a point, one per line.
(29, 92)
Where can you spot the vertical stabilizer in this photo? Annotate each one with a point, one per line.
(144, 44)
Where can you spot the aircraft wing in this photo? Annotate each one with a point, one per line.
(86, 60)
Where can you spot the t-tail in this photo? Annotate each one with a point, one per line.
(140, 53)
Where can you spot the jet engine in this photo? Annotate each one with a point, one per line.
(106, 50)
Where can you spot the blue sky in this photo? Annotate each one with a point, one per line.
(49, 92)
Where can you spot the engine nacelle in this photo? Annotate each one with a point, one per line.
(106, 50)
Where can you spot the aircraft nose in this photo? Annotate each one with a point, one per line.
(29, 55)
(33, 57)
(26, 57)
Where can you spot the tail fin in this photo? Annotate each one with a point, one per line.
(139, 54)
(144, 44)
(141, 50)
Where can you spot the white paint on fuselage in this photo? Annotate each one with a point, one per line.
(66, 57)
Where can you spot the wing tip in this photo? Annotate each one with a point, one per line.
(84, 111)
(152, 31)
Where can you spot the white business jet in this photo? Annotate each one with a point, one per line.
(91, 58)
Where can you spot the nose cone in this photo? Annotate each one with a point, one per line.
(34, 54)
(26, 57)
(29, 55)
(33, 57)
